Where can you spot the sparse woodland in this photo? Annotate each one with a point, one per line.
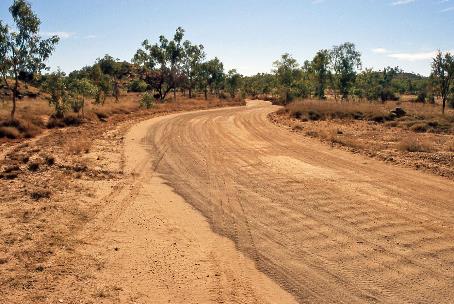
(166, 67)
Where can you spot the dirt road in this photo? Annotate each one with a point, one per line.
(326, 225)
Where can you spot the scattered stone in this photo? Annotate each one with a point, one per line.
(33, 166)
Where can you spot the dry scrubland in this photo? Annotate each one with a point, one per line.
(34, 115)
(50, 188)
(419, 137)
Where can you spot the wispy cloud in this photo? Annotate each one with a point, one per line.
(380, 51)
(402, 2)
(448, 9)
(317, 1)
(62, 35)
(90, 37)
(413, 56)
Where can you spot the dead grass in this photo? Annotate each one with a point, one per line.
(418, 117)
(78, 146)
(415, 144)
(34, 114)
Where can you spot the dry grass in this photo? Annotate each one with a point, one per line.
(450, 146)
(418, 118)
(78, 146)
(415, 144)
(34, 114)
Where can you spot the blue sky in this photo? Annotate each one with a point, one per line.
(250, 34)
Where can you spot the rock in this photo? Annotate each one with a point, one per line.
(398, 112)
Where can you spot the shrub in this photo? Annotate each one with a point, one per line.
(138, 85)
(33, 166)
(50, 160)
(419, 127)
(9, 132)
(147, 101)
(77, 105)
(72, 120)
(39, 194)
(421, 97)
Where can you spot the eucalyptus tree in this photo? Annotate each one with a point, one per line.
(79, 90)
(21, 48)
(160, 63)
(346, 60)
(210, 76)
(320, 69)
(287, 72)
(233, 82)
(191, 62)
(443, 76)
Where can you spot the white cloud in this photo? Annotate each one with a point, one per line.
(62, 35)
(413, 56)
(402, 2)
(380, 51)
(90, 37)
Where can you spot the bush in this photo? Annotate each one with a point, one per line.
(421, 97)
(9, 132)
(147, 101)
(138, 86)
(77, 105)
(72, 120)
(419, 127)
(68, 120)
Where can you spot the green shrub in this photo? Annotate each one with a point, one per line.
(138, 85)
(147, 101)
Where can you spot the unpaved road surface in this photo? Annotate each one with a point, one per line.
(325, 225)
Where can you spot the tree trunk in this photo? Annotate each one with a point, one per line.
(174, 94)
(190, 92)
(15, 91)
(206, 94)
(444, 105)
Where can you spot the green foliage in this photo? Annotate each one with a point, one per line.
(443, 75)
(21, 48)
(138, 85)
(320, 68)
(79, 90)
(59, 98)
(345, 61)
(287, 72)
(147, 101)
(233, 82)
(160, 62)
(192, 59)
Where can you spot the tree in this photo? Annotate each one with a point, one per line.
(210, 75)
(320, 68)
(387, 76)
(192, 59)
(175, 52)
(443, 75)
(22, 50)
(80, 89)
(59, 99)
(233, 82)
(286, 71)
(345, 61)
(159, 63)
